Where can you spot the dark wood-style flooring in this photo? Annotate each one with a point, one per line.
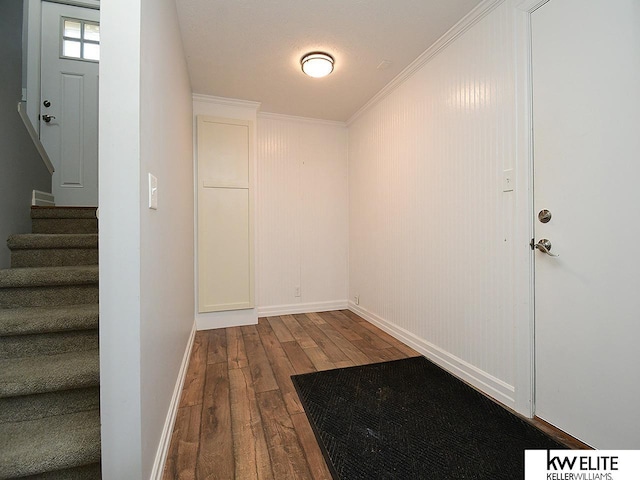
(239, 415)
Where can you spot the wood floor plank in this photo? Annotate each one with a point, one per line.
(300, 361)
(281, 366)
(319, 359)
(379, 354)
(217, 351)
(194, 379)
(183, 450)
(215, 455)
(341, 326)
(316, 318)
(236, 353)
(315, 460)
(331, 350)
(261, 372)
(374, 340)
(349, 349)
(287, 457)
(299, 333)
(280, 329)
(393, 341)
(250, 449)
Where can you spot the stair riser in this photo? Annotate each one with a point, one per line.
(48, 320)
(48, 296)
(58, 257)
(64, 225)
(47, 344)
(31, 407)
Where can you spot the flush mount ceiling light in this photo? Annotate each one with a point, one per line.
(317, 64)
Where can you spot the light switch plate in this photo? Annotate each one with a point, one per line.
(508, 180)
(153, 192)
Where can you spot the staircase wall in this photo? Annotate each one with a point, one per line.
(21, 169)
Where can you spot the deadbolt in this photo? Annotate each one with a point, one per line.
(544, 216)
(46, 103)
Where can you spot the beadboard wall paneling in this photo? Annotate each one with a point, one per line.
(302, 213)
(431, 230)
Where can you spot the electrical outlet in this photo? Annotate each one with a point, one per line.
(297, 292)
(356, 297)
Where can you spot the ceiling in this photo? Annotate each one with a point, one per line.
(251, 49)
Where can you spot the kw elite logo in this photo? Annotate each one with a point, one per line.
(582, 464)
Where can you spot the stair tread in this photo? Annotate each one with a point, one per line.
(24, 241)
(49, 443)
(31, 320)
(48, 276)
(63, 212)
(46, 373)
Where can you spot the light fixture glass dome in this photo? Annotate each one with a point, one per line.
(317, 64)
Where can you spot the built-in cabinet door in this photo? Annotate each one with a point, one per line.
(225, 236)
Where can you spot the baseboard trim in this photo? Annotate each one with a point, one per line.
(42, 199)
(169, 423)
(492, 386)
(295, 308)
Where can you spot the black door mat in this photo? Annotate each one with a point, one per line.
(410, 419)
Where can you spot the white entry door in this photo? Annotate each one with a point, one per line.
(586, 89)
(69, 100)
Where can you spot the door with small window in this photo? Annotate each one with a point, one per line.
(69, 100)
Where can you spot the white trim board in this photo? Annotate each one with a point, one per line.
(293, 118)
(483, 381)
(42, 199)
(468, 21)
(233, 102)
(169, 423)
(296, 308)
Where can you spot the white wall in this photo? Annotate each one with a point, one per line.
(146, 257)
(239, 110)
(302, 214)
(431, 231)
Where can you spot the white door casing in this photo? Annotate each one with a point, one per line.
(71, 87)
(586, 124)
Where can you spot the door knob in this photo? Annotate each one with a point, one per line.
(544, 246)
(47, 118)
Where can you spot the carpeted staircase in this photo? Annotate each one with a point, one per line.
(49, 364)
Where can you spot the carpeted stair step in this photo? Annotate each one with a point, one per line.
(18, 346)
(52, 250)
(62, 402)
(48, 444)
(64, 220)
(35, 287)
(38, 320)
(86, 472)
(48, 373)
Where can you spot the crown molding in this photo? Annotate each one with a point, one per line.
(468, 21)
(233, 102)
(293, 118)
